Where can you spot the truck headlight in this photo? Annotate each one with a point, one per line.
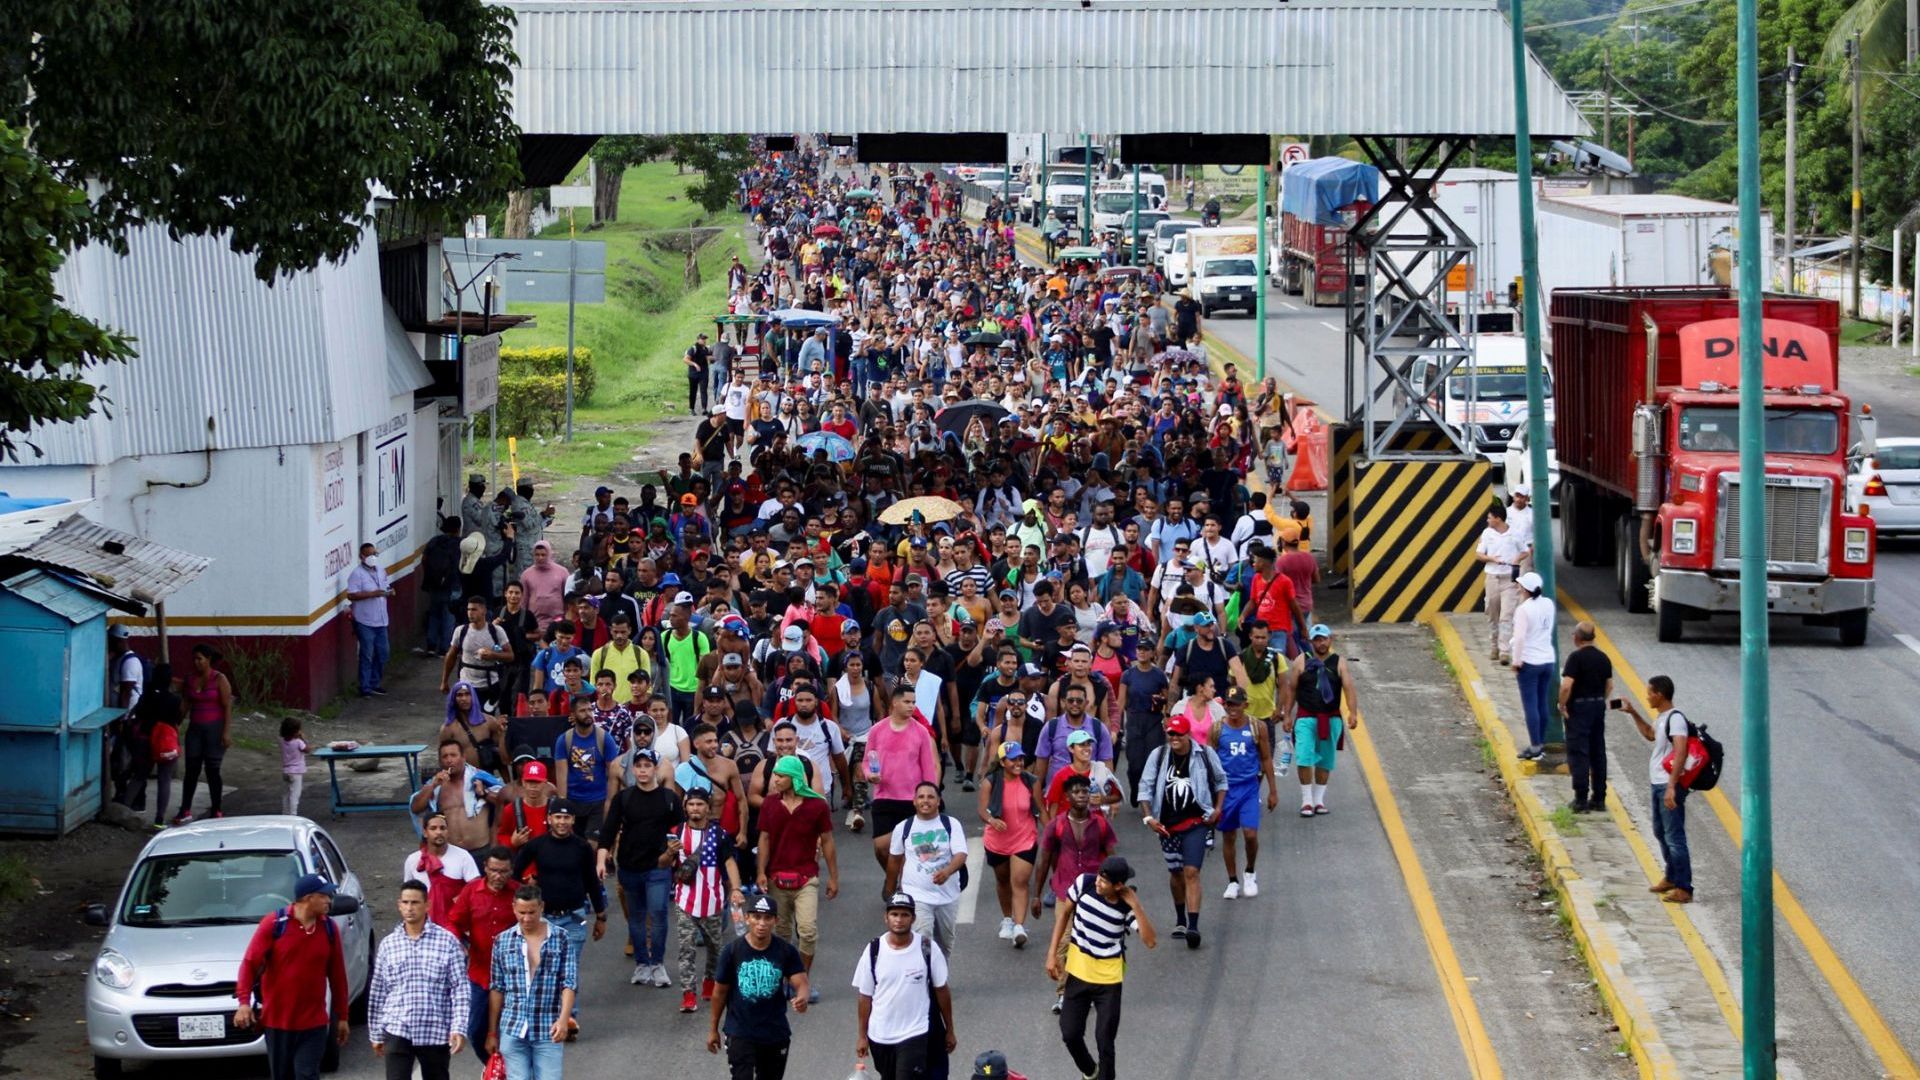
(1856, 545)
(113, 969)
(1685, 538)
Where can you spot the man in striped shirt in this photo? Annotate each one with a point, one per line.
(417, 1004)
(706, 879)
(1095, 917)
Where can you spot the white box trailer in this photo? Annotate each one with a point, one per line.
(1485, 203)
(1634, 240)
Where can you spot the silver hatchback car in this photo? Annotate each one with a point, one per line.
(162, 986)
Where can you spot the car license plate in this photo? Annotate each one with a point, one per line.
(1773, 591)
(203, 1027)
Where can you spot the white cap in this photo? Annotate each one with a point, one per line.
(1531, 582)
(1226, 410)
(683, 598)
(1520, 490)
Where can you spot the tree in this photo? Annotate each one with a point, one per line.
(720, 159)
(267, 121)
(45, 349)
(1890, 169)
(612, 156)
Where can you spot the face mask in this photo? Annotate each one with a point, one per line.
(370, 562)
(1181, 622)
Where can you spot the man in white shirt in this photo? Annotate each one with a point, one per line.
(895, 975)
(1213, 549)
(1097, 540)
(1498, 553)
(1532, 659)
(925, 858)
(444, 867)
(1669, 734)
(1520, 522)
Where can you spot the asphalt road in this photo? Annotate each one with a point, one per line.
(1846, 743)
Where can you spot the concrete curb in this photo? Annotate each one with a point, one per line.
(1630, 1010)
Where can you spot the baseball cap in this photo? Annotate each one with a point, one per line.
(793, 637)
(559, 806)
(1080, 648)
(1531, 582)
(1006, 593)
(1079, 737)
(990, 1065)
(1204, 618)
(602, 490)
(646, 753)
(918, 541)
(731, 659)
(310, 884)
(1520, 489)
(1011, 750)
(857, 566)
(761, 904)
(1032, 670)
(669, 578)
(1117, 869)
(1236, 695)
(1179, 725)
(1319, 630)
(900, 900)
(715, 693)
(117, 632)
(683, 598)
(689, 499)
(533, 772)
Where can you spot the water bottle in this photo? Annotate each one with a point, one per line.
(739, 921)
(859, 1071)
(1286, 751)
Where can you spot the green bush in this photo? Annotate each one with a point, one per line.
(530, 404)
(551, 360)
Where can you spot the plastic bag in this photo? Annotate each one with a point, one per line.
(496, 1068)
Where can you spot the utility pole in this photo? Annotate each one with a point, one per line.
(1853, 246)
(1793, 148)
(1606, 95)
(1260, 267)
(1086, 195)
(1758, 1047)
(1913, 45)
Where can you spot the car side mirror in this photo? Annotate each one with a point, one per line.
(95, 915)
(344, 904)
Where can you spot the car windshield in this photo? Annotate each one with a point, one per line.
(209, 888)
(1230, 267)
(1897, 457)
(1170, 229)
(1502, 387)
(1116, 202)
(1716, 428)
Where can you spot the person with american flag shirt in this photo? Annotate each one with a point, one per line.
(706, 880)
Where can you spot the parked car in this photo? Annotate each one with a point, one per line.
(1887, 483)
(1163, 234)
(162, 985)
(1517, 465)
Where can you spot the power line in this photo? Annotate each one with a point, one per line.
(1613, 15)
(1664, 112)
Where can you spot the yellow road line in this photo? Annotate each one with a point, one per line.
(1482, 1062)
(1623, 1000)
(1873, 1027)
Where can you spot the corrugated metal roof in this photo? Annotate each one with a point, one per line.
(1385, 67)
(58, 538)
(76, 605)
(1652, 205)
(406, 371)
(224, 360)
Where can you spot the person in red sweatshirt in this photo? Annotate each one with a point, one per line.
(296, 969)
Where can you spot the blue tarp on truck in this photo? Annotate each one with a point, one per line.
(1316, 189)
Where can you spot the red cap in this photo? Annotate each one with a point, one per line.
(1179, 725)
(533, 772)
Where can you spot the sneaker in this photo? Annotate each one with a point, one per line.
(813, 997)
(688, 1002)
(217, 815)
(1180, 930)
(1233, 891)
(1321, 808)
(641, 976)
(1249, 885)
(660, 975)
(379, 691)
(967, 784)
(1193, 939)
(856, 821)
(629, 948)
(706, 989)
(1059, 1001)
(1006, 929)
(1019, 937)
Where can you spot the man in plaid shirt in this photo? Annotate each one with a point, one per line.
(417, 1004)
(534, 978)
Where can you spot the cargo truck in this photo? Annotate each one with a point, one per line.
(1222, 268)
(1647, 435)
(1320, 199)
(1634, 240)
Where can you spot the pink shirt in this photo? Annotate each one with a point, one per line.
(293, 756)
(906, 758)
(546, 591)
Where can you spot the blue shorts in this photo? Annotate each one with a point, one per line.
(1185, 848)
(1310, 752)
(1241, 810)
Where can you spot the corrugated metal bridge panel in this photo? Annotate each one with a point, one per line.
(1389, 67)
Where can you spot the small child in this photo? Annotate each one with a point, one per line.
(164, 745)
(293, 764)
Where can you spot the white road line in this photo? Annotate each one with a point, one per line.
(976, 878)
(1909, 641)
(1335, 329)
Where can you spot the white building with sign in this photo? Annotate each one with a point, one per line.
(272, 428)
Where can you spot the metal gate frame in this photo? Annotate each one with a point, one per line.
(1390, 304)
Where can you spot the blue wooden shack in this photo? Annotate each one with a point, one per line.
(53, 632)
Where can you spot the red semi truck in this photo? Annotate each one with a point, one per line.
(1313, 260)
(1647, 384)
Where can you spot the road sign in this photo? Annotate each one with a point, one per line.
(570, 197)
(480, 374)
(1460, 278)
(1291, 154)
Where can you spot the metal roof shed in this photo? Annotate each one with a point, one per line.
(1313, 67)
(53, 631)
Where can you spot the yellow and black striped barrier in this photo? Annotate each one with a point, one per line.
(1414, 526)
(1344, 446)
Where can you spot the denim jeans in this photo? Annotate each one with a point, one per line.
(477, 1005)
(439, 621)
(295, 1055)
(647, 894)
(534, 1058)
(1536, 697)
(373, 655)
(574, 924)
(1670, 829)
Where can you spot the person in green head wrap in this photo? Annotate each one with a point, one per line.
(795, 824)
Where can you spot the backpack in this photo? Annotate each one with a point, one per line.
(936, 1024)
(965, 877)
(280, 920)
(1705, 775)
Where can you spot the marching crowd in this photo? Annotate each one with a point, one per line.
(964, 547)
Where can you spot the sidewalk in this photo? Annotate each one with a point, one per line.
(1665, 988)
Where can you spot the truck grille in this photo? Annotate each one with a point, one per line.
(1797, 524)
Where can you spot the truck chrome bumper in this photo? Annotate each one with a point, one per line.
(1708, 593)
